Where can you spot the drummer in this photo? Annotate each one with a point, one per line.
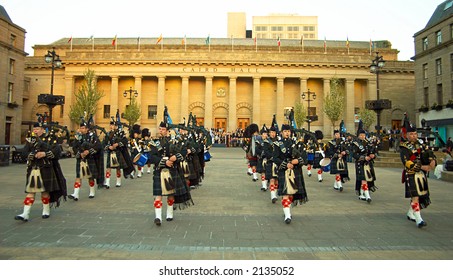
(319, 154)
(145, 142)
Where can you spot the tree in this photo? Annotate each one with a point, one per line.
(300, 113)
(132, 112)
(87, 98)
(334, 102)
(368, 117)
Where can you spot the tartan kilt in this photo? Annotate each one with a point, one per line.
(253, 161)
(411, 190)
(271, 169)
(261, 166)
(49, 180)
(301, 194)
(182, 193)
(121, 161)
(317, 160)
(91, 165)
(334, 169)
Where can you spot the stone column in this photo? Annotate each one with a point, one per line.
(326, 124)
(350, 106)
(256, 114)
(279, 101)
(138, 88)
(372, 90)
(184, 98)
(232, 119)
(160, 100)
(69, 92)
(208, 103)
(114, 96)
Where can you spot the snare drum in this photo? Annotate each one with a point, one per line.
(324, 162)
(207, 156)
(140, 159)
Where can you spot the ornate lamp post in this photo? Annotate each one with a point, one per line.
(379, 104)
(309, 118)
(130, 92)
(50, 99)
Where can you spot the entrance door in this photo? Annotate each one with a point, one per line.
(7, 133)
(243, 123)
(220, 123)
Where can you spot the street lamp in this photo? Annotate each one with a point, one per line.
(130, 91)
(380, 104)
(49, 99)
(309, 118)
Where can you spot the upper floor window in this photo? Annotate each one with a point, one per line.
(152, 111)
(106, 111)
(9, 97)
(438, 67)
(13, 40)
(293, 28)
(425, 43)
(277, 28)
(261, 28)
(426, 96)
(439, 37)
(309, 28)
(439, 94)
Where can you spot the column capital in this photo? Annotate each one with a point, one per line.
(114, 76)
(138, 76)
(233, 77)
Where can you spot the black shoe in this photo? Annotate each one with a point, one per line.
(410, 219)
(288, 221)
(320, 180)
(422, 224)
(274, 200)
(309, 175)
(368, 200)
(106, 187)
(341, 189)
(73, 197)
(45, 216)
(169, 219)
(20, 218)
(157, 222)
(91, 196)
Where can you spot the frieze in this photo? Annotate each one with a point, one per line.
(215, 70)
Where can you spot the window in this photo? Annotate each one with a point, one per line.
(61, 111)
(152, 111)
(12, 62)
(261, 28)
(309, 28)
(12, 39)
(293, 28)
(451, 31)
(425, 43)
(9, 96)
(277, 28)
(439, 94)
(426, 96)
(425, 71)
(439, 67)
(451, 62)
(106, 111)
(439, 37)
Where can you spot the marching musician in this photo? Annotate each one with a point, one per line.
(337, 151)
(261, 141)
(168, 179)
(117, 154)
(135, 150)
(87, 147)
(249, 146)
(145, 142)
(288, 158)
(364, 155)
(417, 160)
(44, 174)
(319, 153)
(271, 168)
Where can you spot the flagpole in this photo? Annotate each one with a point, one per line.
(138, 43)
(71, 43)
(232, 43)
(92, 46)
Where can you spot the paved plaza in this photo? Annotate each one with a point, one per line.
(231, 220)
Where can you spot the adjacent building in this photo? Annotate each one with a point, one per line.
(434, 71)
(13, 87)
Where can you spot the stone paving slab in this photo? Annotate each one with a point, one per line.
(231, 220)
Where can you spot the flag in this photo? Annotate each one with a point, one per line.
(302, 42)
(275, 124)
(347, 43)
(325, 45)
(371, 45)
(256, 44)
(90, 39)
(92, 42)
(114, 41)
(70, 41)
(278, 41)
(159, 39)
(138, 43)
(208, 42)
(167, 118)
(184, 42)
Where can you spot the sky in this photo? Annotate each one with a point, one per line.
(46, 21)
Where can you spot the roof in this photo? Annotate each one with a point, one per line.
(442, 12)
(4, 15)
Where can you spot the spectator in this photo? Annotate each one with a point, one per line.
(442, 167)
(449, 144)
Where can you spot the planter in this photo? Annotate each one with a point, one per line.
(13, 105)
(423, 109)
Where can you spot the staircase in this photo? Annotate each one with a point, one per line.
(393, 160)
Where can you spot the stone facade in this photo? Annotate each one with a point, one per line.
(224, 86)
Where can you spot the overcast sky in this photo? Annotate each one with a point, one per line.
(359, 20)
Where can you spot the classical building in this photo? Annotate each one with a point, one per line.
(434, 71)
(225, 84)
(12, 84)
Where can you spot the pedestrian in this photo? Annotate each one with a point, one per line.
(416, 165)
(44, 173)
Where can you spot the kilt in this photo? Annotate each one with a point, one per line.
(181, 191)
(261, 166)
(360, 171)
(318, 157)
(253, 161)
(91, 165)
(121, 161)
(271, 170)
(336, 164)
(301, 194)
(417, 187)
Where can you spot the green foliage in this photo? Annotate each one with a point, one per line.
(132, 112)
(368, 117)
(334, 103)
(87, 98)
(300, 113)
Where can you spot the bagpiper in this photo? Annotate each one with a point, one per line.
(135, 150)
(44, 173)
(319, 153)
(337, 151)
(288, 158)
(87, 148)
(417, 160)
(249, 146)
(264, 153)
